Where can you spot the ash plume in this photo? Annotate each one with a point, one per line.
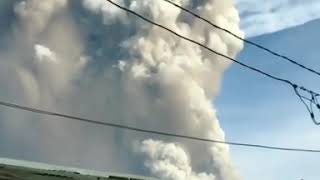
(90, 58)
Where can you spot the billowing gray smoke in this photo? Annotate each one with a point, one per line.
(89, 58)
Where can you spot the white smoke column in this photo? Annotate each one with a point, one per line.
(162, 83)
(171, 83)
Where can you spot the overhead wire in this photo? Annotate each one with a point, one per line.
(296, 87)
(290, 60)
(309, 103)
(130, 128)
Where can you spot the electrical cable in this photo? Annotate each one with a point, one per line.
(39, 111)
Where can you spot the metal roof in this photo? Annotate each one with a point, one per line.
(22, 170)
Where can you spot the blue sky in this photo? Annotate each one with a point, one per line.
(256, 109)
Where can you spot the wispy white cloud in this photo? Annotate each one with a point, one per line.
(261, 17)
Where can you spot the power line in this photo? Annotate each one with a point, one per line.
(130, 128)
(296, 87)
(245, 40)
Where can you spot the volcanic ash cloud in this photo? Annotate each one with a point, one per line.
(170, 85)
(129, 72)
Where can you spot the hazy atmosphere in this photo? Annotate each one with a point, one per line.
(90, 59)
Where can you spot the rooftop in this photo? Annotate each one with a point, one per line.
(23, 170)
